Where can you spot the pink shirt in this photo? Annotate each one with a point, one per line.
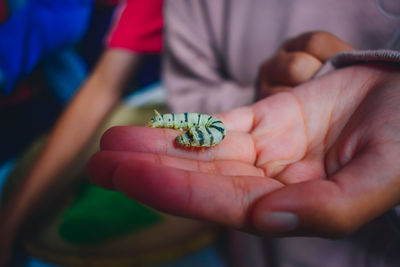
(138, 26)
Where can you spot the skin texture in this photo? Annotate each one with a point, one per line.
(297, 61)
(325, 153)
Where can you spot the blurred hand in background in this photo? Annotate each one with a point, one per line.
(297, 61)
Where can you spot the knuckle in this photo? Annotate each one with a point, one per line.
(315, 40)
(301, 67)
(294, 63)
(295, 67)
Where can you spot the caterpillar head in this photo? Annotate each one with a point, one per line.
(157, 121)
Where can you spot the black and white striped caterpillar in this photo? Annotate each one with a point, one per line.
(202, 130)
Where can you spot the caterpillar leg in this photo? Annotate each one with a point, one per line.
(183, 140)
(200, 136)
(203, 130)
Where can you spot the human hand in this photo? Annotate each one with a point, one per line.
(297, 62)
(321, 159)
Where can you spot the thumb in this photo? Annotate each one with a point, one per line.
(308, 208)
(360, 191)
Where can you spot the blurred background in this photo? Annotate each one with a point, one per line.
(49, 49)
(71, 69)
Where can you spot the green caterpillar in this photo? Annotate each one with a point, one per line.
(202, 130)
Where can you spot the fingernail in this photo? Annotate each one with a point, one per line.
(278, 221)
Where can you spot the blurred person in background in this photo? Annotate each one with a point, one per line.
(214, 49)
(225, 54)
(40, 67)
(100, 226)
(39, 31)
(39, 72)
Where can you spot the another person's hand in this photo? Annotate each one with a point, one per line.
(297, 62)
(321, 159)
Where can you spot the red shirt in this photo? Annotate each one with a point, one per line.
(137, 26)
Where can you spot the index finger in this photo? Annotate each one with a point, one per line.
(236, 145)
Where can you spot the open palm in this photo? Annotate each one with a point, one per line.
(317, 160)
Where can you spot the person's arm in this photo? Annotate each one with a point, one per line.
(73, 130)
(192, 73)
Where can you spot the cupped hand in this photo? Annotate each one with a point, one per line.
(321, 159)
(297, 61)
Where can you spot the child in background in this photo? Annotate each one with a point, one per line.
(91, 104)
(136, 31)
(39, 66)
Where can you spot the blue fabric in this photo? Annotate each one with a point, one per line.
(36, 30)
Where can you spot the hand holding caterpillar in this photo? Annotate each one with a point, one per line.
(203, 130)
